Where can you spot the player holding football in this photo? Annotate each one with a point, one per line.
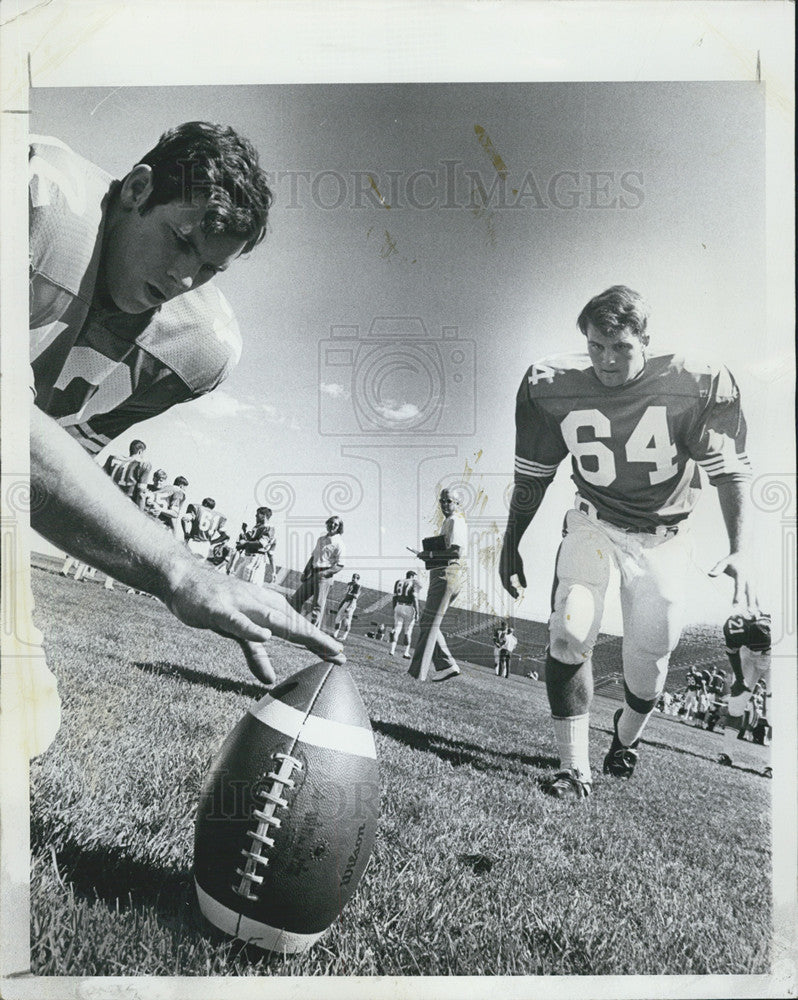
(254, 550)
(347, 607)
(125, 322)
(325, 561)
(405, 611)
(444, 556)
(748, 649)
(636, 426)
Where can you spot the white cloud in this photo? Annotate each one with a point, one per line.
(272, 415)
(397, 412)
(219, 405)
(334, 390)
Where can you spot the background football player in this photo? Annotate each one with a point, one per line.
(748, 644)
(405, 611)
(202, 527)
(346, 609)
(636, 425)
(254, 550)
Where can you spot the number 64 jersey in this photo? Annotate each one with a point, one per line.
(635, 448)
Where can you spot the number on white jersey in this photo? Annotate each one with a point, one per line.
(650, 442)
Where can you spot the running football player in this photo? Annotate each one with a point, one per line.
(125, 321)
(346, 609)
(636, 425)
(405, 611)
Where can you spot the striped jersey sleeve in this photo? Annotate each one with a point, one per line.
(539, 444)
(717, 441)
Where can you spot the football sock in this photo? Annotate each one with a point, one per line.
(631, 725)
(571, 735)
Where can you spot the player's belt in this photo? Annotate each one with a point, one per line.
(589, 510)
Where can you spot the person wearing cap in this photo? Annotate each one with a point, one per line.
(444, 557)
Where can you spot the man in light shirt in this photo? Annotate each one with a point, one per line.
(444, 557)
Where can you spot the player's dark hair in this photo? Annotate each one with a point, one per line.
(205, 160)
(340, 520)
(181, 481)
(160, 474)
(209, 502)
(264, 510)
(137, 447)
(616, 309)
(409, 573)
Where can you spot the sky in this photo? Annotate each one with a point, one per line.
(429, 242)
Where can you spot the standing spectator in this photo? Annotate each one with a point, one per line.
(254, 550)
(405, 611)
(499, 632)
(444, 556)
(346, 609)
(506, 652)
(325, 561)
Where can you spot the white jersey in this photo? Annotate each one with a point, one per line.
(328, 551)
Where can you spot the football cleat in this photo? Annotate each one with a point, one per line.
(620, 761)
(725, 760)
(568, 784)
(768, 772)
(445, 673)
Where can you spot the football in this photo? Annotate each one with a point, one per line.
(288, 813)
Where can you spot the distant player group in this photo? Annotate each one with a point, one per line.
(199, 525)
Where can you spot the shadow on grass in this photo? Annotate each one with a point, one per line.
(669, 748)
(123, 884)
(457, 752)
(224, 684)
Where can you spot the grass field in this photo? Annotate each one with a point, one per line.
(474, 872)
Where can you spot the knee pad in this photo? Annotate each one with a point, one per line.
(574, 624)
(645, 673)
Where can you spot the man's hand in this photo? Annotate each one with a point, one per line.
(203, 598)
(736, 566)
(511, 564)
